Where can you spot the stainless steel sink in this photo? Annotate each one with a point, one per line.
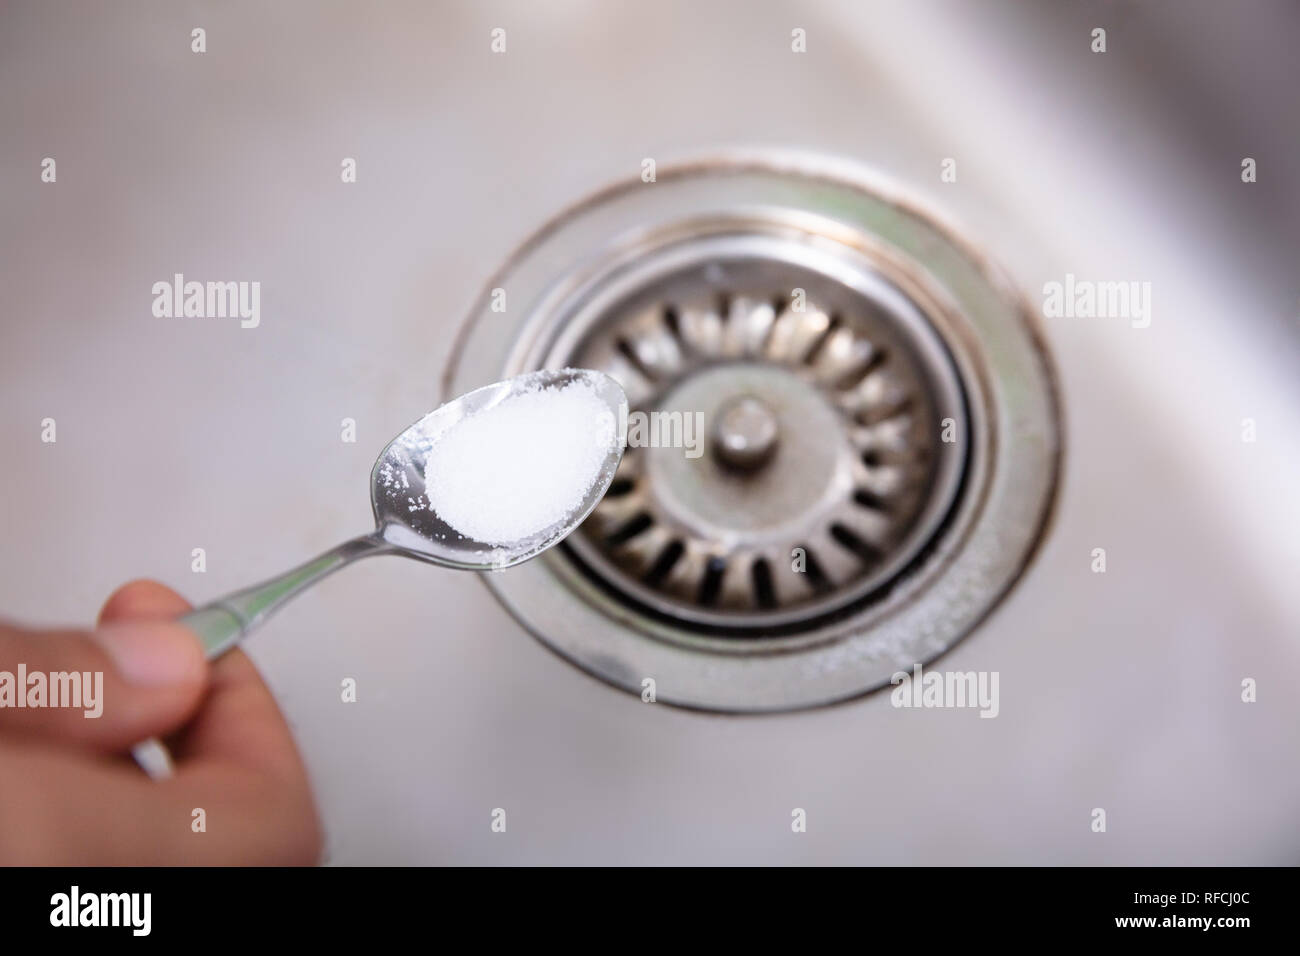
(1119, 690)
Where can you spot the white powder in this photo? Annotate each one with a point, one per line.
(511, 471)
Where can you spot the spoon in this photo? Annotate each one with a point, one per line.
(405, 524)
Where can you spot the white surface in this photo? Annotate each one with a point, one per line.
(1118, 690)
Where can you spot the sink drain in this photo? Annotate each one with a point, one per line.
(876, 436)
(822, 472)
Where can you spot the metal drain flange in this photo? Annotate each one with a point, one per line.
(865, 429)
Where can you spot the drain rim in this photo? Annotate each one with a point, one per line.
(1014, 469)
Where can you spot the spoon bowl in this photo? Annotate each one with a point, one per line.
(404, 518)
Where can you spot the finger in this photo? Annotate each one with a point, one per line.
(237, 760)
(143, 600)
(60, 807)
(238, 766)
(239, 751)
(240, 724)
(107, 690)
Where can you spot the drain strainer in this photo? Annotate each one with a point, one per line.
(843, 442)
(815, 469)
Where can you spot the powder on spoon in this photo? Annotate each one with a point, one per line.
(508, 472)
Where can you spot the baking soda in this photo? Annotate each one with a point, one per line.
(526, 464)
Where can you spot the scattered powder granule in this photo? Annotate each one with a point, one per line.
(526, 464)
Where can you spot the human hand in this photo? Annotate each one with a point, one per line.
(70, 794)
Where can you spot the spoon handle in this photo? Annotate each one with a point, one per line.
(223, 623)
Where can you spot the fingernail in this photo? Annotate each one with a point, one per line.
(152, 653)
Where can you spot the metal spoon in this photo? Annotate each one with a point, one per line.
(404, 523)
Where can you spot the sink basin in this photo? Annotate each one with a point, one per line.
(1119, 689)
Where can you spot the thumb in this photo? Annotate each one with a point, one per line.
(108, 689)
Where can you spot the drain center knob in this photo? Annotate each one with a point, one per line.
(744, 433)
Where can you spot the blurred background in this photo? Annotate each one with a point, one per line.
(1119, 690)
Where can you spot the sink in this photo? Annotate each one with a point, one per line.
(1119, 689)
